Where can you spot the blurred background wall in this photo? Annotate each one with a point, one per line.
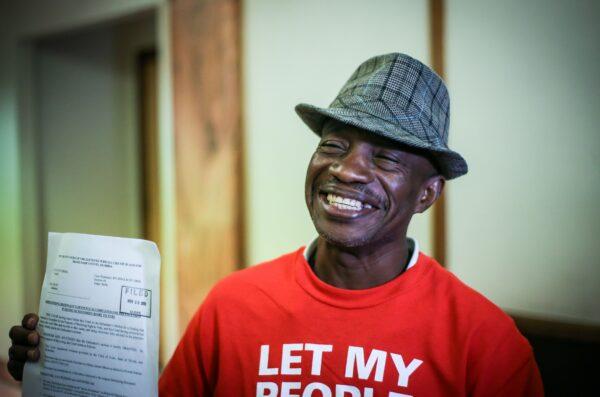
(70, 150)
(304, 51)
(522, 226)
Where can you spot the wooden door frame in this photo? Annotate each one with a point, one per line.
(436, 45)
(206, 63)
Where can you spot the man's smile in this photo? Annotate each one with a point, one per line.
(345, 205)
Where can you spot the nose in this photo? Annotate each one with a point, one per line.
(353, 167)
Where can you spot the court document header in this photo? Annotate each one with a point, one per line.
(98, 318)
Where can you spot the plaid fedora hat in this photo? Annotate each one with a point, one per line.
(397, 97)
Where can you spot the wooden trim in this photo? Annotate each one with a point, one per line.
(241, 166)
(32, 189)
(437, 29)
(148, 106)
(557, 329)
(147, 76)
(208, 145)
(439, 230)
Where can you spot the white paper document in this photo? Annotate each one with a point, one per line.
(98, 318)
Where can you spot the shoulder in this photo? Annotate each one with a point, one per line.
(263, 273)
(483, 321)
(471, 302)
(245, 290)
(494, 346)
(271, 275)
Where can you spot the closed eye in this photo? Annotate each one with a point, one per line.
(389, 163)
(331, 147)
(388, 158)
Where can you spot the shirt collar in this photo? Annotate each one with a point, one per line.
(312, 246)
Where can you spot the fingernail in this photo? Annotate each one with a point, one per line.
(32, 338)
(31, 354)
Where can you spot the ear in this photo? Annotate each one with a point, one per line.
(430, 191)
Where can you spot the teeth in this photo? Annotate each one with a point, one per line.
(346, 203)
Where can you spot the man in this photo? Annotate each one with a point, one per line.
(360, 311)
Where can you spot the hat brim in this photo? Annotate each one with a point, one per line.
(449, 163)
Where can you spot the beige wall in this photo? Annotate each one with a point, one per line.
(304, 51)
(523, 79)
(88, 133)
(525, 86)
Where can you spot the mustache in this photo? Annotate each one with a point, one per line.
(356, 186)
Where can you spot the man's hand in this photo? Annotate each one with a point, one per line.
(25, 340)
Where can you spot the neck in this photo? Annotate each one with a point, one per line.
(360, 267)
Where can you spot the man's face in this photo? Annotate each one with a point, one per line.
(363, 190)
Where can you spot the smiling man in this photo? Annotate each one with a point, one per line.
(361, 192)
(360, 311)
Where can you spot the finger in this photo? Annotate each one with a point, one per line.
(22, 336)
(15, 368)
(23, 353)
(30, 321)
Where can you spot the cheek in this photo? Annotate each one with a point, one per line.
(311, 174)
(401, 195)
(316, 166)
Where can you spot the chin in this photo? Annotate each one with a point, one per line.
(345, 241)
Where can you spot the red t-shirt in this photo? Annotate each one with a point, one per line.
(275, 329)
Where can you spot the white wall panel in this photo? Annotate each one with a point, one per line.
(524, 223)
(304, 51)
